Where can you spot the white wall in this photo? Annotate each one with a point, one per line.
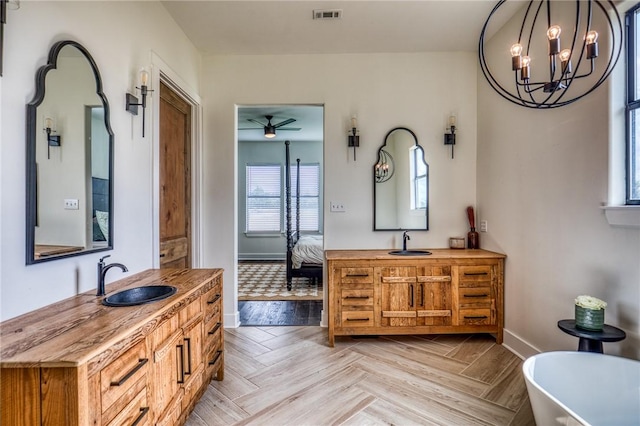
(418, 91)
(121, 37)
(542, 178)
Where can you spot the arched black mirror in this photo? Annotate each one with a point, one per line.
(400, 184)
(69, 159)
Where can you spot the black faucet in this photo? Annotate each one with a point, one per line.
(405, 237)
(102, 271)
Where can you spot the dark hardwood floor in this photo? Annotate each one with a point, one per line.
(289, 312)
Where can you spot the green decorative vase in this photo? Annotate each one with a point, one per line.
(589, 319)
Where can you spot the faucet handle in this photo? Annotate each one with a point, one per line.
(103, 258)
(405, 234)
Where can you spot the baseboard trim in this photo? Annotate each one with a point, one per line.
(232, 320)
(518, 346)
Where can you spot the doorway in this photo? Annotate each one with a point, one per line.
(175, 180)
(267, 211)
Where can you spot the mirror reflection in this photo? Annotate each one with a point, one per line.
(69, 172)
(401, 183)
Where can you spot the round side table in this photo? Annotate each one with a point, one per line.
(591, 341)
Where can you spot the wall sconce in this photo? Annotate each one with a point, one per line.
(52, 140)
(132, 102)
(450, 138)
(354, 137)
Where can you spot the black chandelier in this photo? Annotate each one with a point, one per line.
(571, 70)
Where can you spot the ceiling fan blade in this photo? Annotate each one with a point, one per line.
(255, 121)
(290, 128)
(250, 128)
(284, 123)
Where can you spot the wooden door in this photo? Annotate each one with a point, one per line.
(175, 180)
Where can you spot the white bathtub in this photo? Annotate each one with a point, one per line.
(583, 388)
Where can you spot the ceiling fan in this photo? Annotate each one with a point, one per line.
(270, 129)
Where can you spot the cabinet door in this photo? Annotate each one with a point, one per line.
(192, 349)
(399, 296)
(434, 299)
(167, 370)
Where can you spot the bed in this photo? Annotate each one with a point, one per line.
(305, 253)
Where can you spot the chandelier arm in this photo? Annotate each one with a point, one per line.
(535, 18)
(593, 68)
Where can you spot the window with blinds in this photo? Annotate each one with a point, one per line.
(309, 196)
(264, 198)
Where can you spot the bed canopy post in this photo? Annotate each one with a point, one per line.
(287, 174)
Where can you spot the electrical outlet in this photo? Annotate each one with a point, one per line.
(483, 226)
(71, 204)
(337, 207)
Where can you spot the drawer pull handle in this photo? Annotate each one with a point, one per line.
(214, 329)
(357, 319)
(421, 294)
(476, 273)
(357, 275)
(476, 295)
(215, 299)
(357, 297)
(475, 317)
(143, 412)
(187, 340)
(411, 294)
(218, 353)
(181, 369)
(141, 363)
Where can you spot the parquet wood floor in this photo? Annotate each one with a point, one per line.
(289, 376)
(288, 312)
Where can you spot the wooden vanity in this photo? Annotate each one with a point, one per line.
(372, 292)
(78, 362)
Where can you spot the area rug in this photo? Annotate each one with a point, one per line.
(268, 281)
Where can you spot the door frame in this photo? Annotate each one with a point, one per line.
(160, 71)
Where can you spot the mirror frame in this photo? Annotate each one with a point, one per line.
(415, 138)
(31, 169)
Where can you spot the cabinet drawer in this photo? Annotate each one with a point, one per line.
(356, 275)
(475, 297)
(136, 412)
(474, 276)
(476, 317)
(357, 319)
(356, 297)
(212, 302)
(213, 335)
(213, 362)
(123, 373)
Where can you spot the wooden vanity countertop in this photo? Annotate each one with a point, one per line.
(438, 253)
(73, 331)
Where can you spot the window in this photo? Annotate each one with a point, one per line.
(309, 196)
(633, 105)
(264, 183)
(418, 180)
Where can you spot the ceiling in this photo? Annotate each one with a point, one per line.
(265, 27)
(309, 119)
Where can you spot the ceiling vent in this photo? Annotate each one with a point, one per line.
(327, 14)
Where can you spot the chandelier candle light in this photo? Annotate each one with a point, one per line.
(537, 82)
